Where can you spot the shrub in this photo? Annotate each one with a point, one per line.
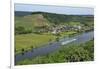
(22, 30)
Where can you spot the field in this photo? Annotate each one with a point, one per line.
(29, 41)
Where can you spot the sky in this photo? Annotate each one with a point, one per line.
(55, 9)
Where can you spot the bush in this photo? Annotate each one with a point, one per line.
(22, 30)
(77, 54)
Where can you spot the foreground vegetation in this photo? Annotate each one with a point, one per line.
(71, 53)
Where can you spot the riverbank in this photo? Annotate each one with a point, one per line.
(72, 53)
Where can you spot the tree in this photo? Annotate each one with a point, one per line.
(31, 48)
(77, 54)
(57, 39)
(23, 50)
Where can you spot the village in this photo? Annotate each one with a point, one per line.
(61, 28)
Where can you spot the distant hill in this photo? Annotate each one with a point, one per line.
(22, 13)
(63, 18)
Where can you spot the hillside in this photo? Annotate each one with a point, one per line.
(56, 18)
(40, 20)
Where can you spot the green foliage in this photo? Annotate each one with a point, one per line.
(57, 39)
(22, 30)
(77, 54)
(61, 18)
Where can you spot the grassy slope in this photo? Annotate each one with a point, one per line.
(26, 41)
(28, 21)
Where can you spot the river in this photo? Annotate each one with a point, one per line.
(49, 48)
